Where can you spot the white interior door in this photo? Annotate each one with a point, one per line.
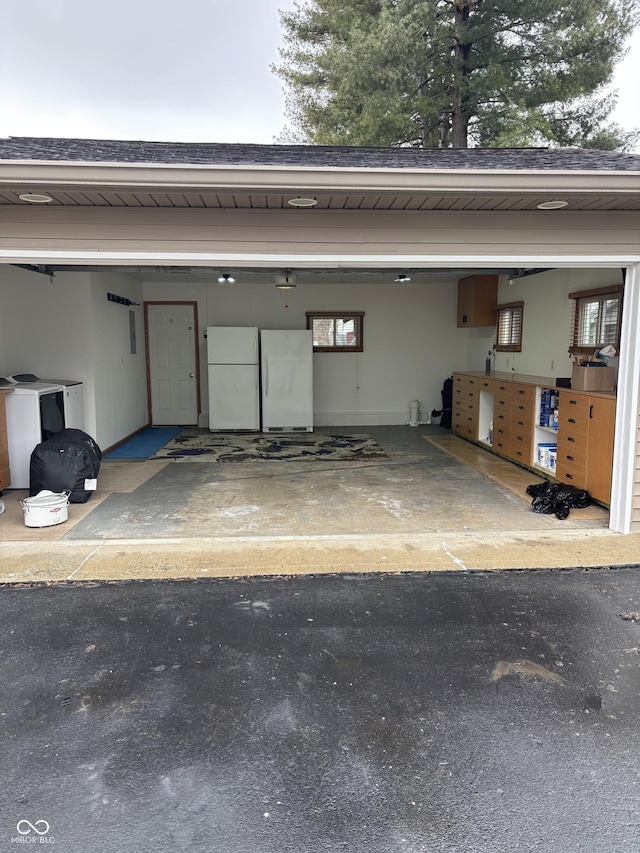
(173, 374)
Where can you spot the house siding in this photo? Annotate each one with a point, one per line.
(238, 232)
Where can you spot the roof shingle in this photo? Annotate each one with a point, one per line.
(335, 157)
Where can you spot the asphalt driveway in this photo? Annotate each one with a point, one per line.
(364, 713)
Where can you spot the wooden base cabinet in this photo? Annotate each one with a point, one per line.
(502, 413)
(586, 425)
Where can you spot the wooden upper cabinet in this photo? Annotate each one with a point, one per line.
(477, 297)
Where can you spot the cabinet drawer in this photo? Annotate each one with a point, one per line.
(571, 460)
(465, 405)
(501, 445)
(521, 423)
(465, 393)
(466, 425)
(521, 448)
(524, 409)
(572, 424)
(5, 478)
(521, 439)
(571, 403)
(502, 404)
(501, 432)
(501, 419)
(462, 380)
(571, 475)
(525, 394)
(572, 444)
(502, 389)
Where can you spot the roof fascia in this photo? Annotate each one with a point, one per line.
(243, 178)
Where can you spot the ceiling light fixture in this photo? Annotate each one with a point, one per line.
(226, 278)
(554, 204)
(35, 198)
(302, 202)
(402, 279)
(286, 280)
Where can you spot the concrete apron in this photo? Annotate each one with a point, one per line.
(223, 557)
(419, 511)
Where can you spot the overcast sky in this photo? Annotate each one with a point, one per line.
(182, 71)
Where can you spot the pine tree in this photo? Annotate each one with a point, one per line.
(453, 73)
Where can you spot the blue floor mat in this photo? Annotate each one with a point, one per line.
(145, 444)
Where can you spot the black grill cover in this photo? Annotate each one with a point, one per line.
(63, 463)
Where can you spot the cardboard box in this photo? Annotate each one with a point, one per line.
(592, 378)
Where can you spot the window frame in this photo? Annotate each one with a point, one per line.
(585, 297)
(510, 309)
(339, 315)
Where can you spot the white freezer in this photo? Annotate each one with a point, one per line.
(232, 345)
(286, 359)
(234, 401)
(234, 394)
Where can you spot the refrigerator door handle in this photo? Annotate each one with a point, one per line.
(266, 376)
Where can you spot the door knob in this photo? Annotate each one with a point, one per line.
(191, 375)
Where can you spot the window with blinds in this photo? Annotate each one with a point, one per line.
(333, 332)
(509, 327)
(596, 319)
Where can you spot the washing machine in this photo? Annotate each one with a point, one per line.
(73, 396)
(35, 413)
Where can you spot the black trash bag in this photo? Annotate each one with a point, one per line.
(557, 498)
(576, 498)
(63, 463)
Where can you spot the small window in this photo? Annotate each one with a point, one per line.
(336, 332)
(596, 319)
(509, 327)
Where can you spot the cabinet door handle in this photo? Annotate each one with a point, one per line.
(573, 402)
(521, 391)
(570, 458)
(571, 420)
(591, 411)
(521, 408)
(571, 438)
(569, 476)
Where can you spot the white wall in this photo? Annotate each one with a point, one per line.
(547, 318)
(411, 343)
(66, 329)
(121, 406)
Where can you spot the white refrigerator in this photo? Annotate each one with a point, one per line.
(286, 364)
(233, 374)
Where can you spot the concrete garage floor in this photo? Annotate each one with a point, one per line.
(463, 713)
(426, 507)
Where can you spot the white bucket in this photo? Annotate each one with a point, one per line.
(45, 508)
